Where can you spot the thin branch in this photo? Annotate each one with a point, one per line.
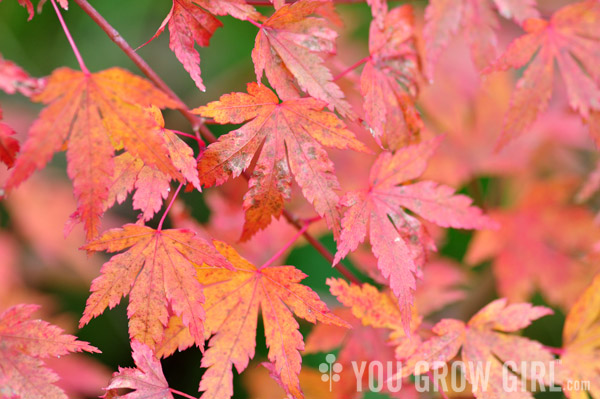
(197, 123)
(70, 39)
(137, 60)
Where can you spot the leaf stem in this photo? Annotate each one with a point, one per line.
(196, 122)
(556, 351)
(173, 197)
(70, 39)
(285, 247)
(185, 395)
(352, 67)
(253, 22)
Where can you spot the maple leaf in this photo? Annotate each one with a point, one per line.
(378, 310)
(151, 185)
(289, 136)
(27, 4)
(373, 308)
(486, 347)
(443, 19)
(233, 298)
(23, 345)
(14, 79)
(9, 147)
(289, 47)
(397, 238)
(94, 114)
(389, 79)
(581, 344)
(156, 271)
(571, 37)
(146, 380)
(191, 22)
(529, 245)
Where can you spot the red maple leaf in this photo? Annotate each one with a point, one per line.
(191, 22)
(443, 19)
(146, 380)
(23, 345)
(570, 38)
(9, 147)
(397, 238)
(389, 80)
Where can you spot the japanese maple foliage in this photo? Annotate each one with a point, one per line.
(361, 156)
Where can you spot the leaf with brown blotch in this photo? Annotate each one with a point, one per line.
(23, 345)
(444, 18)
(571, 38)
(147, 380)
(289, 49)
(9, 147)
(192, 22)
(397, 238)
(151, 185)
(94, 115)
(156, 271)
(389, 80)
(581, 345)
(289, 136)
(487, 349)
(233, 299)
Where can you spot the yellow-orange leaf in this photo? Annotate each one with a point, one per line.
(581, 342)
(233, 298)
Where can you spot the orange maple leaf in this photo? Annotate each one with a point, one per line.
(233, 298)
(289, 48)
(95, 115)
(398, 239)
(289, 136)
(156, 271)
(571, 38)
(23, 345)
(581, 344)
(151, 185)
(485, 346)
(389, 80)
